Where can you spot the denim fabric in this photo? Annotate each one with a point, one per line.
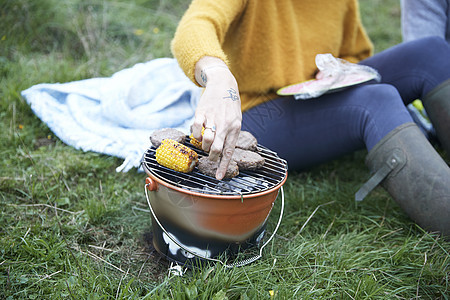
(421, 18)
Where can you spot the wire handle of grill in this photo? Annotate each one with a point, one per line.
(234, 264)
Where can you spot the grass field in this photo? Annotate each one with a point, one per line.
(71, 227)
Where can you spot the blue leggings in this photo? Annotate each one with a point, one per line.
(310, 132)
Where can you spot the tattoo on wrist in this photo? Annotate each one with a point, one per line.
(232, 94)
(203, 77)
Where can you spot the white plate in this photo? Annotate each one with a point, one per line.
(321, 86)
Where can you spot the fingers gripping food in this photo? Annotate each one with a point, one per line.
(172, 154)
(196, 143)
(176, 156)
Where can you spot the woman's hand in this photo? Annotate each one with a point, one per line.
(219, 111)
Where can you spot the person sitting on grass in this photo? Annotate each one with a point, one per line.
(243, 51)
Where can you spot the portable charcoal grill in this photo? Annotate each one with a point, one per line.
(197, 217)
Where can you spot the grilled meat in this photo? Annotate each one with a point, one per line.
(166, 133)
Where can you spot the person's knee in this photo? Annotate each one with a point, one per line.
(433, 46)
(425, 51)
(383, 105)
(380, 96)
(433, 42)
(382, 111)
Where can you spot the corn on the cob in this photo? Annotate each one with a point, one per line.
(197, 144)
(176, 156)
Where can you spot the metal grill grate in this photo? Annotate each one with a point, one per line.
(270, 175)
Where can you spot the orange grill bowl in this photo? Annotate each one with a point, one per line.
(192, 219)
(229, 218)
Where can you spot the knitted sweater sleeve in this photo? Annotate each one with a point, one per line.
(202, 30)
(356, 44)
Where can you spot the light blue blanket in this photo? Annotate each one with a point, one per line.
(116, 115)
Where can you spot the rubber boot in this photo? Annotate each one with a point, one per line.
(437, 106)
(414, 174)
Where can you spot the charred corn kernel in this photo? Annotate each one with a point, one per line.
(176, 156)
(195, 142)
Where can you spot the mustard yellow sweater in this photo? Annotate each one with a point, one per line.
(268, 44)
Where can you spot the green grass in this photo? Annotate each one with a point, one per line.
(71, 227)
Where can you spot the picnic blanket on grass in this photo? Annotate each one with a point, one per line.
(116, 115)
